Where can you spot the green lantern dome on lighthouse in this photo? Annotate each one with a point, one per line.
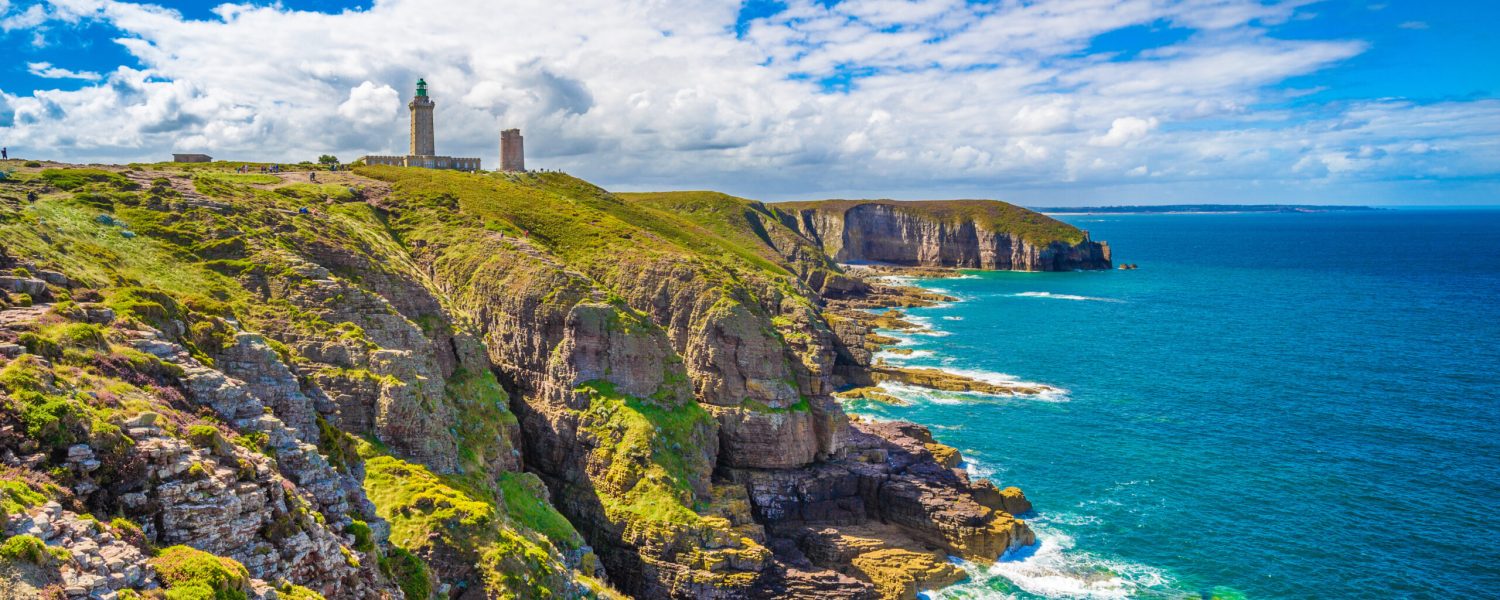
(421, 88)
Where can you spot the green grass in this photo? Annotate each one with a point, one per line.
(485, 413)
(747, 228)
(601, 234)
(409, 573)
(195, 574)
(77, 179)
(363, 537)
(29, 548)
(526, 501)
(510, 544)
(64, 235)
(802, 405)
(417, 502)
(316, 192)
(288, 591)
(17, 495)
(242, 178)
(647, 448)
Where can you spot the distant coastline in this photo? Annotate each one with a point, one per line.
(1199, 209)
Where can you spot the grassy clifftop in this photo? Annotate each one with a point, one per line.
(1031, 226)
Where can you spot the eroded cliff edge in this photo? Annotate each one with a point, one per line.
(969, 234)
(419, 383)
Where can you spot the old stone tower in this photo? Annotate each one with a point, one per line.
(423, 148)
(512, 153)
(421, 122)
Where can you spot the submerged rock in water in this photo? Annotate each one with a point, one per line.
(942, 380)
(874, 394)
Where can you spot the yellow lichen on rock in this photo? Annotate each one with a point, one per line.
(899, 573)
(946, 455)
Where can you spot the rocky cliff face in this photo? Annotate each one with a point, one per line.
(970, 234)
(437, 384)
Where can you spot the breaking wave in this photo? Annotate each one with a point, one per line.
(1052, 568)
(1063, 297)
(901, 358)
(1056, 394)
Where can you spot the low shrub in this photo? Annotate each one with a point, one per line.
(190, 573)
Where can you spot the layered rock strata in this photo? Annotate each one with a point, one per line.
(971, 234)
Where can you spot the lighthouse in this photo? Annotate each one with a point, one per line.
(421, 122)
(423, 148)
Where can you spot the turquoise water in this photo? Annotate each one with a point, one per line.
(1273, 406)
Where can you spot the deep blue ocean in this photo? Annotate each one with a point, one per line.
(1272, 406)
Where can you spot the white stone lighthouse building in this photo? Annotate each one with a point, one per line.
(423, 148)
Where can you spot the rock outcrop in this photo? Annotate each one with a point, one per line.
(970, 234)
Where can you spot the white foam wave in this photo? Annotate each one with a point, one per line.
(901, 357)
(1063, 297)
(911, 393)
(953, 318)
(976, 469)
(1054, 394)
(1053, 568)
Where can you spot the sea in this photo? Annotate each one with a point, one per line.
(1271, 406)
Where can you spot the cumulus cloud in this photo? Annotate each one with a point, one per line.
(45, 70)
(1124, 130)
(899, 98)
(370, 104)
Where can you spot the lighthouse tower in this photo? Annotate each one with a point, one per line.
(423, 150)
(421, 122)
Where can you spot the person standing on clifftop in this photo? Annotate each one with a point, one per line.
(5, 153)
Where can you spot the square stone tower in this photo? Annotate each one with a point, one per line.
(512, 155)
(421, 122)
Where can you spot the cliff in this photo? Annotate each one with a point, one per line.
(970, 234)
(420, 384)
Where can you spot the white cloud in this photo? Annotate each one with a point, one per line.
(1414, 25)
(953, 99)
(34, 15)
(1124, 130)
(370, 104)
(45, 70)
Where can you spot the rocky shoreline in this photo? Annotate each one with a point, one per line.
(857, 317)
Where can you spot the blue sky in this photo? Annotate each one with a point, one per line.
(1051, 101)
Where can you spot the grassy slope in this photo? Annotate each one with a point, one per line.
(591, 229)
(1032, 226)
(739, 224)
(184, 264)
